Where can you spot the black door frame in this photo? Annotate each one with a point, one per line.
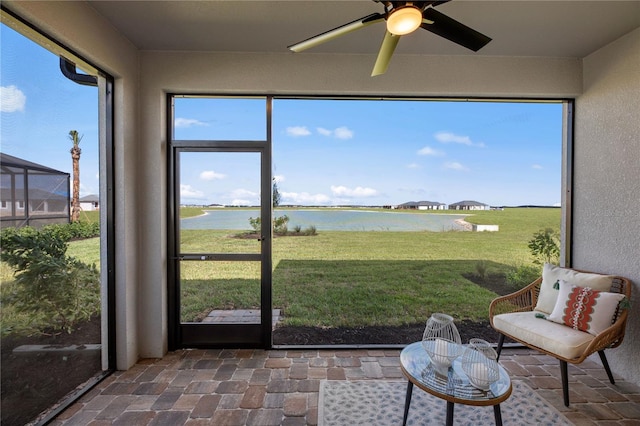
(201, 335)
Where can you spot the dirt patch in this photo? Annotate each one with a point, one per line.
(33, 382)
(405, 334)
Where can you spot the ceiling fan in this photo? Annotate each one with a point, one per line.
(403, 17)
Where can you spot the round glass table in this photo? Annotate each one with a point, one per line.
(454, 387)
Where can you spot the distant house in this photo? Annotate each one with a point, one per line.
(431, 205)
(32, 194)
(469, 205)
(90, 203)
(408, 205)
(423, 205)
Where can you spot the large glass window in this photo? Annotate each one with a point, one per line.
(385, 201)
(53, 275)
(388, 210)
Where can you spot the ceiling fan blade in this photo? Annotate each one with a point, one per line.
(453, 30)
(336, 32)
(389, 44)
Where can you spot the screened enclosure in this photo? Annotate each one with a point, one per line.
(32, 194)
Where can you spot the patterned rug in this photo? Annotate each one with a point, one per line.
(381, 403)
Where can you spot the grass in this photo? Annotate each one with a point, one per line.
(366, 278)
(354, 278)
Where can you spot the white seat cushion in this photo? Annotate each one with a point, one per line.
(550, 336)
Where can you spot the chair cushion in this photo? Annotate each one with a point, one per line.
(551, 275)
(549, 336)
(585, 309)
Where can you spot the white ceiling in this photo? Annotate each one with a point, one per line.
(549, 28)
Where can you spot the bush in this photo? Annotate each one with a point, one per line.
(545, 246)
(481, 269)
(49, 286)
(74, 230)
(279, 224)
(522, 275)
(60, 231)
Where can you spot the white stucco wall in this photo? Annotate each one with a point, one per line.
(606, 231)
(79, 27)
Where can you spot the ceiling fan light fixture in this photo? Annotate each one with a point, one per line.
(404, 20)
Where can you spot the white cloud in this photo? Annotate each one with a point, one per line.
(211, 175)
(12, 99)
(188, 191)
(342, 132)
(413, 166)
(343, 191)
(297, 131)
(244, 197)
(243, 193)
(448, 137)
(240, 202)
(279, 178)
(303, 198)
(189, 122)
(537, 167)
(427, 150)
(454, 165)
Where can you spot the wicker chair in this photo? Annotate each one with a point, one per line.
(525, 300)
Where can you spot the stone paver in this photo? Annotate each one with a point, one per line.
(281, 387)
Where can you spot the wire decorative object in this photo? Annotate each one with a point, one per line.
(441, 340)
(479, 363)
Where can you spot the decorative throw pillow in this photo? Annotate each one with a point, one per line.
(585, 309)
(551, 274)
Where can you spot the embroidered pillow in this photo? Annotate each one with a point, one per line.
(585, 309)
(551, 274)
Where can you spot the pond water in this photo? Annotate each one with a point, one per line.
(330, 220)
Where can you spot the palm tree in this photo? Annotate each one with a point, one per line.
(75, 157)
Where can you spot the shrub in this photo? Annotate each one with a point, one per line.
(522, 275)
(60, 231)
(255, 224)
(50, 286)
(279, 224)
(481, 269)
(545, 246)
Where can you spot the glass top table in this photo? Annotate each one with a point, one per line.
(454, 387)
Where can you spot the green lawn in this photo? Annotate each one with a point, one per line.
(352, 278)
(366, 278)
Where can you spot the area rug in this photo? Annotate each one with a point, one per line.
(381, 403)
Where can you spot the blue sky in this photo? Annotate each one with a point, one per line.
(39, 106)
(326, 152)
(336, 152)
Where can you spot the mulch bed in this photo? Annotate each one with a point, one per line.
(33, 382)
(388, 335)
